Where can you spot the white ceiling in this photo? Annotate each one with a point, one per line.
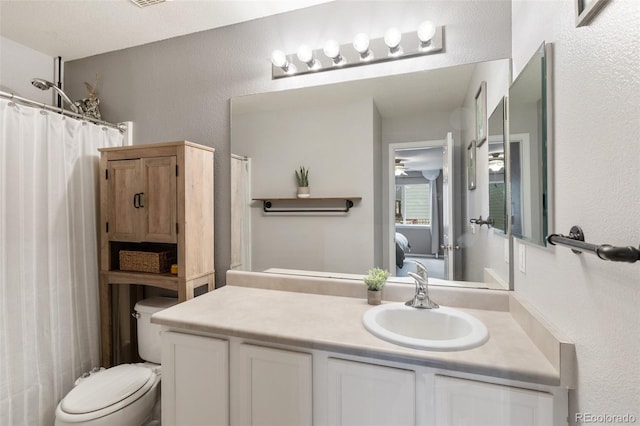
(76, 29)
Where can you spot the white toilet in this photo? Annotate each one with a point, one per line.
(127, 394)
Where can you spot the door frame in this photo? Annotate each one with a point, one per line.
(391, 192)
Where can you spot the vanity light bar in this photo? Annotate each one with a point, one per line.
(361, 52)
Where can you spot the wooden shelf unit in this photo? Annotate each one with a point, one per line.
(152, 196)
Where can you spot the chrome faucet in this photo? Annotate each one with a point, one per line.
(421, 299)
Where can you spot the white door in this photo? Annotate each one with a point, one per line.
(449, 246)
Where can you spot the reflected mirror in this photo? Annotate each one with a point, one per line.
(497, 170)
(528, 151)
(354, 137)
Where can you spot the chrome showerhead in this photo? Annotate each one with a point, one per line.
(43, 84)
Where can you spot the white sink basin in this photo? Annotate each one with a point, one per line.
(441, 329)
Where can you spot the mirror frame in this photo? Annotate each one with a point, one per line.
(501, 108)
(545, 50)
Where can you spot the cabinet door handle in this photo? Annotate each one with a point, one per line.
(140, 199)
(136, 201)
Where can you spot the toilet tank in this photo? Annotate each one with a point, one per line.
(149, 341)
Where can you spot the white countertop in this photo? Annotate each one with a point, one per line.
(334, 323)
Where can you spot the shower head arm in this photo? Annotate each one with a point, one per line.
(67, 100)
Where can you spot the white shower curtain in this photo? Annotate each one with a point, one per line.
(49, 322)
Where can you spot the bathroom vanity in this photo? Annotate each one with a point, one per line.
(293, 350)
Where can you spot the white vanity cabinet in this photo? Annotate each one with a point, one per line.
(195, 380)
(221, 380)
(367, 394)
(270, 386)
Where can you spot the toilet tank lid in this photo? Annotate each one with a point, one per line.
(107, 388)
(155, 304)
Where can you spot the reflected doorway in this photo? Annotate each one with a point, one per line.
(418, 199)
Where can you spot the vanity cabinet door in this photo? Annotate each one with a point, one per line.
(467, 402)
(271, 387)
(195, 380)
(368, 394)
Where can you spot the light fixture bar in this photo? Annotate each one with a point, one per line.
(410, 46)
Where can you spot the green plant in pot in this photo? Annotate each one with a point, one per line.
(302, 179)
(375, 282)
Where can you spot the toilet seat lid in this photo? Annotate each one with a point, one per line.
(119, 385)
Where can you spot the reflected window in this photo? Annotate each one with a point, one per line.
(413, 204)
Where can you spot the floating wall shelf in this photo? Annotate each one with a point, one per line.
(267, 204)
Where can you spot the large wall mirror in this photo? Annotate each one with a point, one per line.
(528, 111)
(395, 144)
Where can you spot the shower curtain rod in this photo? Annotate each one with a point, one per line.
(120, 126)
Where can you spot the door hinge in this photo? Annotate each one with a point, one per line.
(177, 227)
(106, 174)
(176, 170)
(107, 227)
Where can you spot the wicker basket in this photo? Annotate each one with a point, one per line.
(145, 261)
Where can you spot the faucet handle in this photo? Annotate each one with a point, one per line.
(416, 277)
(421, 269)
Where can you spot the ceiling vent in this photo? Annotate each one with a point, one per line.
(145, 3)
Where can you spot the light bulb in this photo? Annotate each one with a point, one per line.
(305, 54)
(332, 49)
(426, 31)
(392, 38)
(279, 59)
(361, 43)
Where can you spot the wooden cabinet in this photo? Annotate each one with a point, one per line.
(369, 394)
(195, 380)
(463, 402)
(142, 200)
(156, 197)
(271, 387)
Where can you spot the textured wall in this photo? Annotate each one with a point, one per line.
(596, 111)
(180, 88)
(18, 65)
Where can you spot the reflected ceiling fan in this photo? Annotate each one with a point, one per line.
(400, 167)
(496, 162)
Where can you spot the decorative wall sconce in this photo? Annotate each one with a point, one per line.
(428, 39)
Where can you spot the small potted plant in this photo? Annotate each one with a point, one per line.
(302, 178)
(375, 281)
